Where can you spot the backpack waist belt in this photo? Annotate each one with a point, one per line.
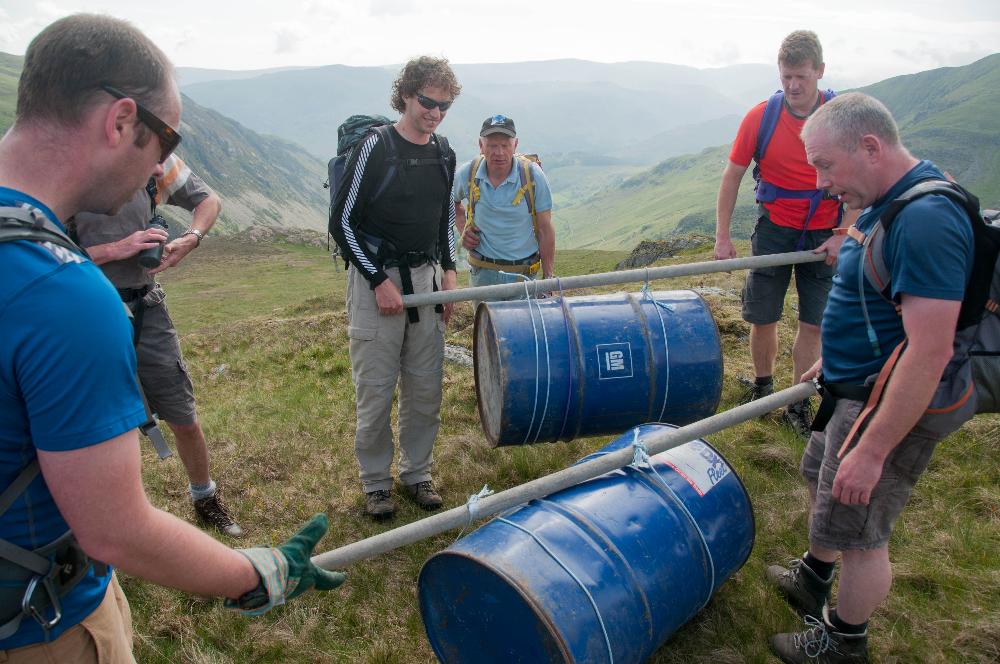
(387, 256)
(529, 265)
(130, 294)
(33, 581)
(832, 392)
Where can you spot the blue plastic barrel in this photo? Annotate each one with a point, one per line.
(602, 572)
(564, 367)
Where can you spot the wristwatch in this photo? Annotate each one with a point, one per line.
(195, 232)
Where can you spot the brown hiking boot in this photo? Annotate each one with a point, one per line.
(379, 504)
(213, 512)
(425, 494)
(803, 589)
(820, 644)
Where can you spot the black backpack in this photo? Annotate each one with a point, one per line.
(352, 133)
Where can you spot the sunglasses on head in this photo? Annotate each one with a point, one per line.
(167, 135)
(430, 104)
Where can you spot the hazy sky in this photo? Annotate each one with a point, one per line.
(864, 40)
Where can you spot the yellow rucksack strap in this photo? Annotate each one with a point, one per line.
(470, 220)
(527, 189)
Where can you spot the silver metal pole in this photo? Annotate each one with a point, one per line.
(486, 293)
(458, 517)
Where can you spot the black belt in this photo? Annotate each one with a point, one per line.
(130, 294)
(530, 260)
(409, 259)
(831, 393)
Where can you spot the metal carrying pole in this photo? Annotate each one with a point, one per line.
(486, 293)
(459, 517)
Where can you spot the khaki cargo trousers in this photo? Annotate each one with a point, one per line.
(386, 350)
(103, 637)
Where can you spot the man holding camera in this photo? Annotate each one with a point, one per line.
(121, 245)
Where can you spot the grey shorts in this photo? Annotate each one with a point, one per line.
(162, 371)
(860, 527)
(764, 292)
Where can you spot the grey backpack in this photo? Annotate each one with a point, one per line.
(970, 383)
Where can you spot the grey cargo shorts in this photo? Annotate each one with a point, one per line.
(764, 292)
(162, 371)
(861, 527)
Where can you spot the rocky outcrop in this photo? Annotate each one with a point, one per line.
(649, 251)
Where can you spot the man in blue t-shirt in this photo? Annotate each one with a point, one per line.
(502, 236)
(96, 115)
(853, 143)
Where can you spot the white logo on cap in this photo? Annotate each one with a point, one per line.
(498, 120)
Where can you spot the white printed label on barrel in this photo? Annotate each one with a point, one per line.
(614, 361)
(698, 464)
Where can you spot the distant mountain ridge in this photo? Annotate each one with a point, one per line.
(560, 106)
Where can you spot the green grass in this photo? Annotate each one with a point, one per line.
(263, 330)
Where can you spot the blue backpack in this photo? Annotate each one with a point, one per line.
(768, 192)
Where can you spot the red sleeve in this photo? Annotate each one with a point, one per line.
(746, 137)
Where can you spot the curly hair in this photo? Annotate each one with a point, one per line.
(800, 47)
(422, 72)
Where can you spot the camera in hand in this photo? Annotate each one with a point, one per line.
(150, 258)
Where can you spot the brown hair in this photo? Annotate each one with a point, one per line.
(800, 47)
(67, 62)
(421, 72)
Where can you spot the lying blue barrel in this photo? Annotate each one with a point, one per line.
(564, 367)
(604, 571)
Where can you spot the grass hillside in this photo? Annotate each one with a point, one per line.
(675, 197)
(263, 330)
(947, 115)
(951, 117)
(10, 71)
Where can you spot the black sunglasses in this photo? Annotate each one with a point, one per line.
(429, 103)
(167, 135)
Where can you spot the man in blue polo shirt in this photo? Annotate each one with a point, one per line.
(96, 111)
(508, 228)
(862, 470)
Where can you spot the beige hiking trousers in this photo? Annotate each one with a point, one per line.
(386, 350)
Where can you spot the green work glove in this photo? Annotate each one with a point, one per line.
(287, 571)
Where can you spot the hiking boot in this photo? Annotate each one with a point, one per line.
(212, 512)
(803, 589)
(379, 504)
(820, 644)
(798, 417)
(425, 494)
(752, 391)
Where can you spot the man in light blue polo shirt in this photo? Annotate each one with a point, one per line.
(508, 231)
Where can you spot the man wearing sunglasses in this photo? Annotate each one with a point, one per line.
(69, 402)
(394, 222)
(115, 242)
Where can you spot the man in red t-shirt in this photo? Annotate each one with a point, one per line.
(789, 221)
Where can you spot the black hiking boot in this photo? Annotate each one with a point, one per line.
(803, 589)
(213, 512)
(752, 391)
(820, 644)
(379, 504)
(798, 417)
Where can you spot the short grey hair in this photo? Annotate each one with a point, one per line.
(848, 117)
